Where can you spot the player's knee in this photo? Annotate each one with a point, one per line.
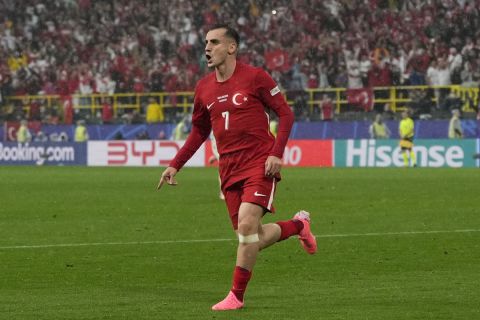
(247, 239)
(248, 225)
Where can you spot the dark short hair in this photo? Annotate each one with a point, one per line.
(230, 32)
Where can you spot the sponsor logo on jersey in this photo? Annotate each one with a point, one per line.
(274, 91)
(210, 105)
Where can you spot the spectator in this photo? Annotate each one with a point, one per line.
(107, 111)
(378, 129)
(365, 66)
(467, 76)
(182, 129)
(154, 112)
(353, 69)
(273, 127)
(322, 76)
(34, 113)
(420, 104)
(143, 135)
(67, 110)
(455, 130)
(326, 108)
(455, 65)
(451, 102)
(40, 137)
(444, 80)
(81, 133)
(23, 134)
(418, 64)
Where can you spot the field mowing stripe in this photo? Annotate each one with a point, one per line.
(346, 235)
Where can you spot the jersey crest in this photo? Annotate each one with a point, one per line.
(239, 98)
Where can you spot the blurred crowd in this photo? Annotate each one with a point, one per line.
(116, 46)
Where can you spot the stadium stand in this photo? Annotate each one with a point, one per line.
(62, 54)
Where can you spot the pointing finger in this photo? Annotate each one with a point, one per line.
(160, 183)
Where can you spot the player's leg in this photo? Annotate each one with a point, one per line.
(269, 234)
(413, 158)
(249, 219)
(405, 157)
(274, 232)
(221, 195)
(261, 191)
(299, 226)
(249, 222)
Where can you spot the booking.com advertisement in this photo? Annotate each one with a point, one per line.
(432, 153)
(43, 153)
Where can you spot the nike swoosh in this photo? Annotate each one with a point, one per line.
(259, 194)
(210, 105)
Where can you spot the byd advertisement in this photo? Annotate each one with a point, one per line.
(152, 153)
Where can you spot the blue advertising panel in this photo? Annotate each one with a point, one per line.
(424, 129)
(48, 153)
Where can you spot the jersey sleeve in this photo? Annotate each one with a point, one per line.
(201, 128)
(272, 98)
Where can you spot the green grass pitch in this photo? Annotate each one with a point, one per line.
(101, 243)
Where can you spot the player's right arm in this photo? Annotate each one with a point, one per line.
(168, 176)
(201, 128)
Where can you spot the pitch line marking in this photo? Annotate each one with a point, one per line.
(346, 235)
(401, 233)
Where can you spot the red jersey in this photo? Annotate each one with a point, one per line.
(236, 110)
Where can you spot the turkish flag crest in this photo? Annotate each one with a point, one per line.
(277, 60)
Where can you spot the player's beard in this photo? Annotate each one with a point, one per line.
(215, 61)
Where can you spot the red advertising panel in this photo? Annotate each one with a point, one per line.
(298, 153)
(138, 153)
(308, 153)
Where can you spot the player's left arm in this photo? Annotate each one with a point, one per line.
(272, 98)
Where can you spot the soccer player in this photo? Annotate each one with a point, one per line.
(406, 131)
(232, 101)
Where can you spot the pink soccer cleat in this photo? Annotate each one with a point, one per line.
(229, 303)
(307, 239)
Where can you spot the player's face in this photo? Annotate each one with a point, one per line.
(218, 47)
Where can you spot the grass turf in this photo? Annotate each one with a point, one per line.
(113, 258)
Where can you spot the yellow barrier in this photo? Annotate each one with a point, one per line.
(397, 98)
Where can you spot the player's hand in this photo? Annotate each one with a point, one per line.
(168, 176)
(272, 166)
